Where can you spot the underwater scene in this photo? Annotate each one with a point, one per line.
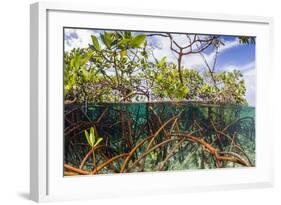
(138, 101)
(138, 137)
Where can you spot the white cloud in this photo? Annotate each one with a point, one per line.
(229, 44)
(248, 67)
(161, 48)
(196, 60)
(82, 40)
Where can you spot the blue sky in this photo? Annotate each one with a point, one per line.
(232, 55)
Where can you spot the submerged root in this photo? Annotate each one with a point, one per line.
(165, 142)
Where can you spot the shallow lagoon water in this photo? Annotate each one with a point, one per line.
(227, 128)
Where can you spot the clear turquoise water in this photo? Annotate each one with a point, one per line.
(122, 125)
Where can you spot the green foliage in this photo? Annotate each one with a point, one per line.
(82, 80)
(73, 62)
(233, 89)
(153, 155)
(138, 41)
(247, 40)
(163, 79)
(95, 42)
(91, 138)
(117, 67)
(120, 67)
(107, 39)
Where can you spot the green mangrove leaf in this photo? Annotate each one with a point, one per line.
(88, 137)
(128, 34)
(92, 136)
(138, 40)
(107, 39)
(123, 44)
(98, 141)
(96, 44)
(123, 53)
(162, 62)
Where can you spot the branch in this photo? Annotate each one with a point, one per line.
(108, 162)
(74, 169)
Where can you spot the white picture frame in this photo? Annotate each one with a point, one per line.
(46, 93)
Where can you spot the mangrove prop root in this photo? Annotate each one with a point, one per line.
(88, 155)
(132, 152)
(219, 156)
(173, 152)
(216, 153)
(108, 162)
(158, 118)
(85, 159)
(74, 169)
(232, 139)
(65, 173)
(158, 132)
(238, 157)
(102, 115)
(161, 134)
(149, 151)
(237, 121)
(111, 164)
